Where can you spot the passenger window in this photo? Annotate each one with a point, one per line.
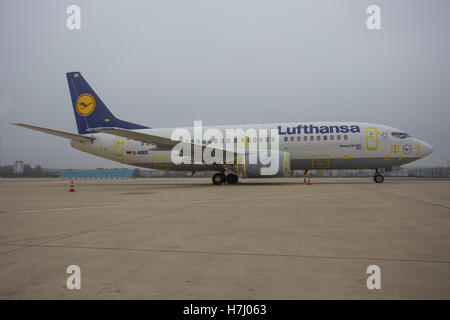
(318, 138)
(305, 138)
(338, 137)
(311, 138)
(331, 137)
(325, 137)
(345, 137)
(299, 138)
(292, 138)
(285, 139)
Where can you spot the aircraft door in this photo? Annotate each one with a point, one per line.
(118, 146)
(372, 138)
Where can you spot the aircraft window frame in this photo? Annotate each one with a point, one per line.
(318, 138)
(400, 135)
(292, 139)
(311, 138)
(305, 138)
(285, 139)
(338, 137)
(325, 138)
(299, 138)
(331, 137)
(345, 136)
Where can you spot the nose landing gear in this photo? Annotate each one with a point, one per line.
(378, 177)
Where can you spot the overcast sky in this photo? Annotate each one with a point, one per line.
(165, 63)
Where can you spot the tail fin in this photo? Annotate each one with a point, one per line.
(89, 109)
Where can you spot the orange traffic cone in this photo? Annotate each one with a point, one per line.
(309, 181)
(72, 188)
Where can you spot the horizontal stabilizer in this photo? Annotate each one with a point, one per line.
(58, 133)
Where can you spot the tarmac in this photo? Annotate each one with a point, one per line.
(183, 238)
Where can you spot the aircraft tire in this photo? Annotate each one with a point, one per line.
(378, 178)
(232, 178)
(219, 178)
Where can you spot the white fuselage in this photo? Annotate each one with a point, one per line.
(312, 145)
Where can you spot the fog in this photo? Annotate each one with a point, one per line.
(166, 63)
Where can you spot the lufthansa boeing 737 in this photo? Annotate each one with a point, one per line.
(237, 151)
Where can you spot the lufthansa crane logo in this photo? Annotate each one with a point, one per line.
(85, 104)
(407, 148)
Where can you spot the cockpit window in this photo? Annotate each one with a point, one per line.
(400, 135)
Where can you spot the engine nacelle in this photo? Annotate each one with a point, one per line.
(264, 164)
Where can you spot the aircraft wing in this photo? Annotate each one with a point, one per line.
(139, 136)
(162, 142)
(58, 133)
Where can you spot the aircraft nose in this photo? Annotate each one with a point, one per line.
(425, 149)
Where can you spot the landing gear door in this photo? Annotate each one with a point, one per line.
(372, 138)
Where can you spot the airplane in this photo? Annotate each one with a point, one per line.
(292, 146)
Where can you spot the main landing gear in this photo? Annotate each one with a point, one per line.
(378, 177)
(220, 178)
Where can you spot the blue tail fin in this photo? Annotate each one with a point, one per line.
(89, 109)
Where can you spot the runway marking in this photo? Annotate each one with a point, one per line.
(287, 255)
(134, 204)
